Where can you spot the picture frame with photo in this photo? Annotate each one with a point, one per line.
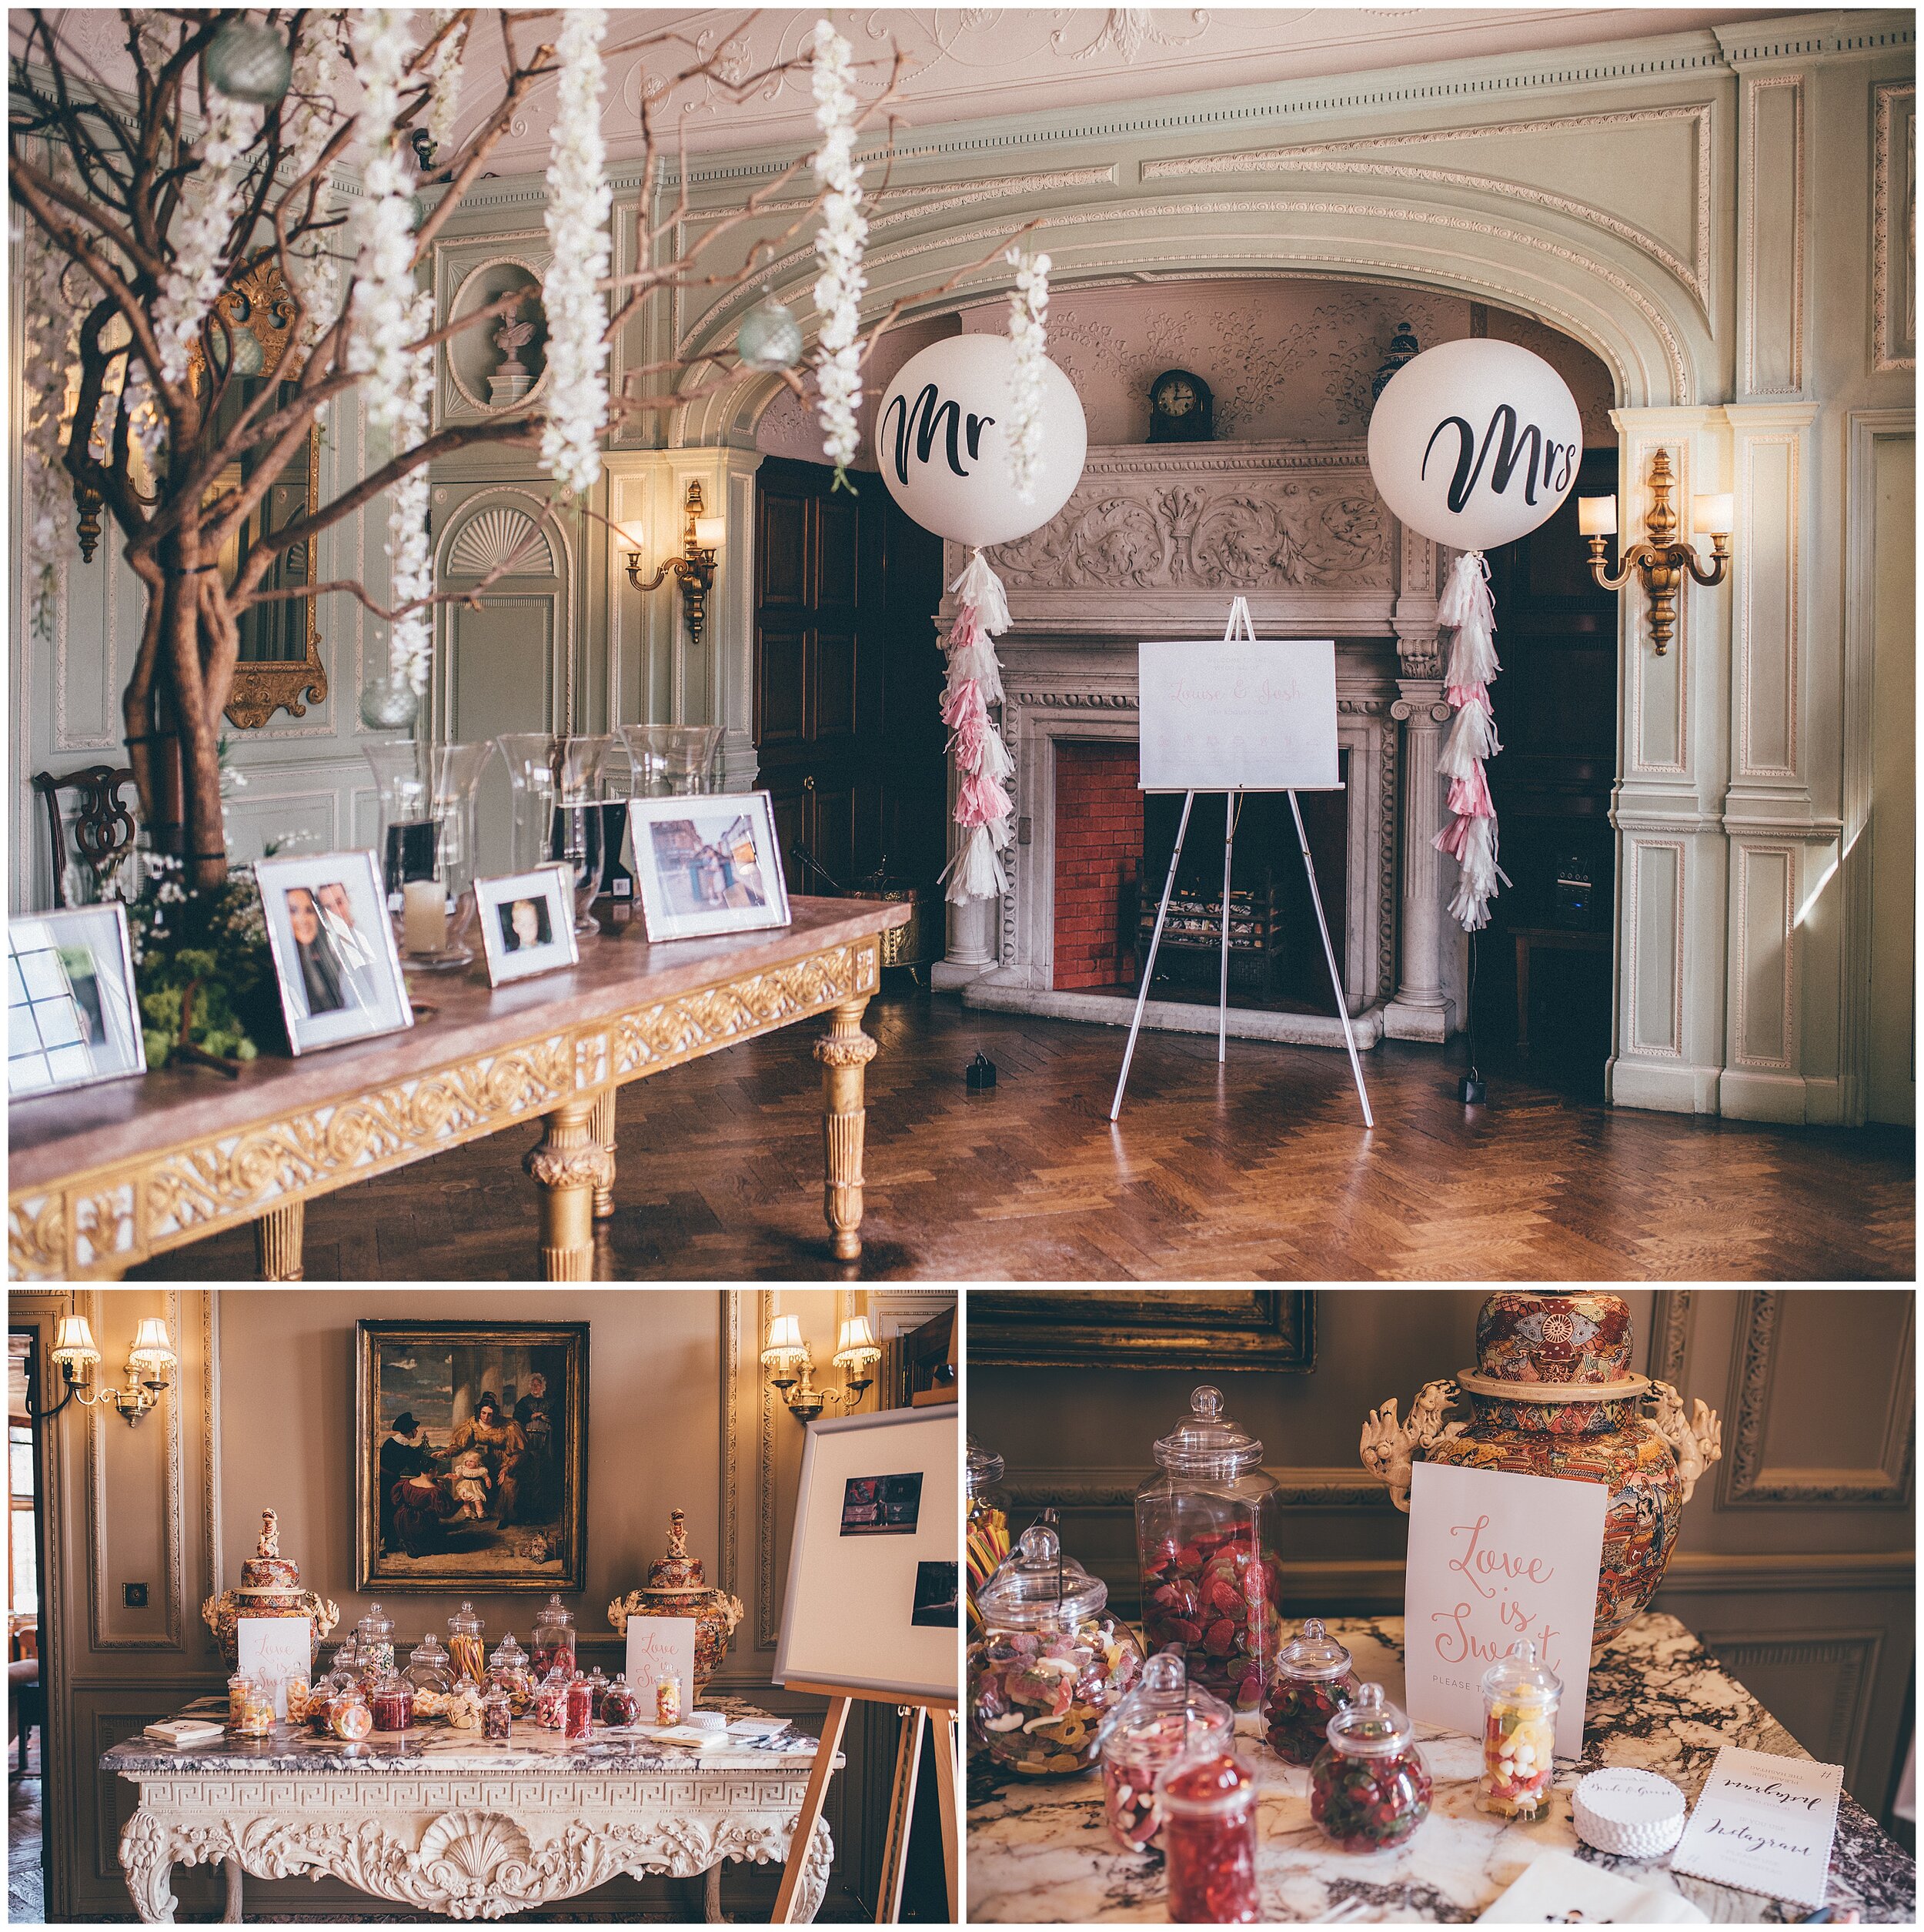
(73, 1010)
(332, 941)
(527, 923)
(707, 864)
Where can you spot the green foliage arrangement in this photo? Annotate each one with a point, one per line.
(204, 954)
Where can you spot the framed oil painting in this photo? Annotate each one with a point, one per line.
(470, 1458)
(1160, 1327)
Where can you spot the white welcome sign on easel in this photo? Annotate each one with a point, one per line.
(1238, 715)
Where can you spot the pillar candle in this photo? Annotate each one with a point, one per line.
(424, 916)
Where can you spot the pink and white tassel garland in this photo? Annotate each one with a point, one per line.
(983, 807)
(1470, 838)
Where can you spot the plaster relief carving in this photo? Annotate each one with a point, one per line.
(1328, 532)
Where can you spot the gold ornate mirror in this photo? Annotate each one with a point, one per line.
(280, 645)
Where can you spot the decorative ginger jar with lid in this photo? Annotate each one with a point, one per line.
(677, 1587)
(1552, 1395)
(270, 1585)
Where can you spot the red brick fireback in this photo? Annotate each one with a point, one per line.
(1098, 846)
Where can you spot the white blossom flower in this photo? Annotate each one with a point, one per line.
(839, 246)
(189, 288)
(312, 121)
(52, 331)
(444, 83)
(410, 555)
(1028, 313)
(578, 203)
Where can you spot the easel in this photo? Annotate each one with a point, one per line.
(1239, 624)
(908, 1761)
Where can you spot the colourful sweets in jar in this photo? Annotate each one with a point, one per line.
(509, 1669)
(1205, 1530)
(668, 1701)
(1209, 1841)
(497, 1720)
(375, 1640)
(1051, 1662)
(466, 1658)
(391, 1701)
(1313, 1679)
(552, 1645)
(1520, 1700)
(1164, 1719)
(621, 1706)
(1369, 1788)
(257, 1710)
(550, 1700)
(348, 1716)
(236, 1701)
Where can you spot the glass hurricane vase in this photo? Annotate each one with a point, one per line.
(672, 760)
(558, 819)
(427, 795)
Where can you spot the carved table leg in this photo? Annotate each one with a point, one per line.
(844, 1054)
(819, 1861)
(603, 1127)
(570, 1163)
(278, 1236)
(231, 1866)
(147, 1862)
(711, 1896)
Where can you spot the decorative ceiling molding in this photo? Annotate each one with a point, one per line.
(1322, 157)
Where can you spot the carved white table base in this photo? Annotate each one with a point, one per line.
(472, 1846)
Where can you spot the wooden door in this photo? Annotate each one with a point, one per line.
(1556, 714)
(848, 678)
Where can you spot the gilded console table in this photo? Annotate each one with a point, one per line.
(437, 1819)
(103, 1177)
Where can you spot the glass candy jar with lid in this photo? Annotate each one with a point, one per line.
(465, 1656)
(376, 1634)
(988, 1522)
(1051, 1663)
(1208, 1801)
(597, 1690)
(428, 1674)
(391, 1701)
(577, 1708)
(497, 1720)
(1205, 1542)
(320, 1703)
(621, 1705)
(1369, 1787)
(348, 1716)
(1164, 1719)
(553, 1640)
(551, 1699)
(1520, 1700)
(509, 1671)
(1313, 1679)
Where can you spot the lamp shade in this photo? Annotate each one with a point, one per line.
(710, 531)
(1597, 516)
(151, 1349)
(785, 1348)
(74, 1341)
(1714, 516)
(858, 1346)
(634, 536)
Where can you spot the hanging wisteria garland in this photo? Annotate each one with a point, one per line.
(839, 246)
(189, 288)
(391, 315)
(578, 203)
(1028, 333)
(52, 340)
(311, 117)
(1465, 609)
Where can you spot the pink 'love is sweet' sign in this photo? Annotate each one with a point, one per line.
(1495, 1559)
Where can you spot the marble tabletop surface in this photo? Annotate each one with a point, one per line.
(294, 1748)
(1039, 1851)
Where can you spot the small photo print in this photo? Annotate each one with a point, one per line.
(73, 1016)
(881, 1505)
(333, 947)
(935, 1595)
(527, 923)
(707, 865)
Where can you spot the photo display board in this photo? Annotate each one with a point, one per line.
(873, 1600)
(1237, 714)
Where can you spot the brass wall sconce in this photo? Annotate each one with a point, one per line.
(1661, 559)
(701, 537)
(148, 1362)
(791, 1367)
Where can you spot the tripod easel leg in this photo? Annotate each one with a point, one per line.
(895, 1849)
(1329, 953)
(1149, 967)
(1222, 999)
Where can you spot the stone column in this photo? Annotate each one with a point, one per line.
(1421, 1010)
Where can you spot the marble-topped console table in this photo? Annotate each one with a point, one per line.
(436, 1819)
(1658, 1700)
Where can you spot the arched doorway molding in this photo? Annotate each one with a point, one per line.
(1643, 323)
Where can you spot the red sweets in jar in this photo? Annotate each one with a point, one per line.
(1313, 1679)
(1209, 1841)
(577, 1710)
(1369, 1788)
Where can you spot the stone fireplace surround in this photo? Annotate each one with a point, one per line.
(1153, 544)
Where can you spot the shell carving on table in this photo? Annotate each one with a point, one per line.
(1552, 1395)
(677, 1587)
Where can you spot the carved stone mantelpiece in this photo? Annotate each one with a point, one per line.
(469, 1844)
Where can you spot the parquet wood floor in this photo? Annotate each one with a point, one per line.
(1256, 1172)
